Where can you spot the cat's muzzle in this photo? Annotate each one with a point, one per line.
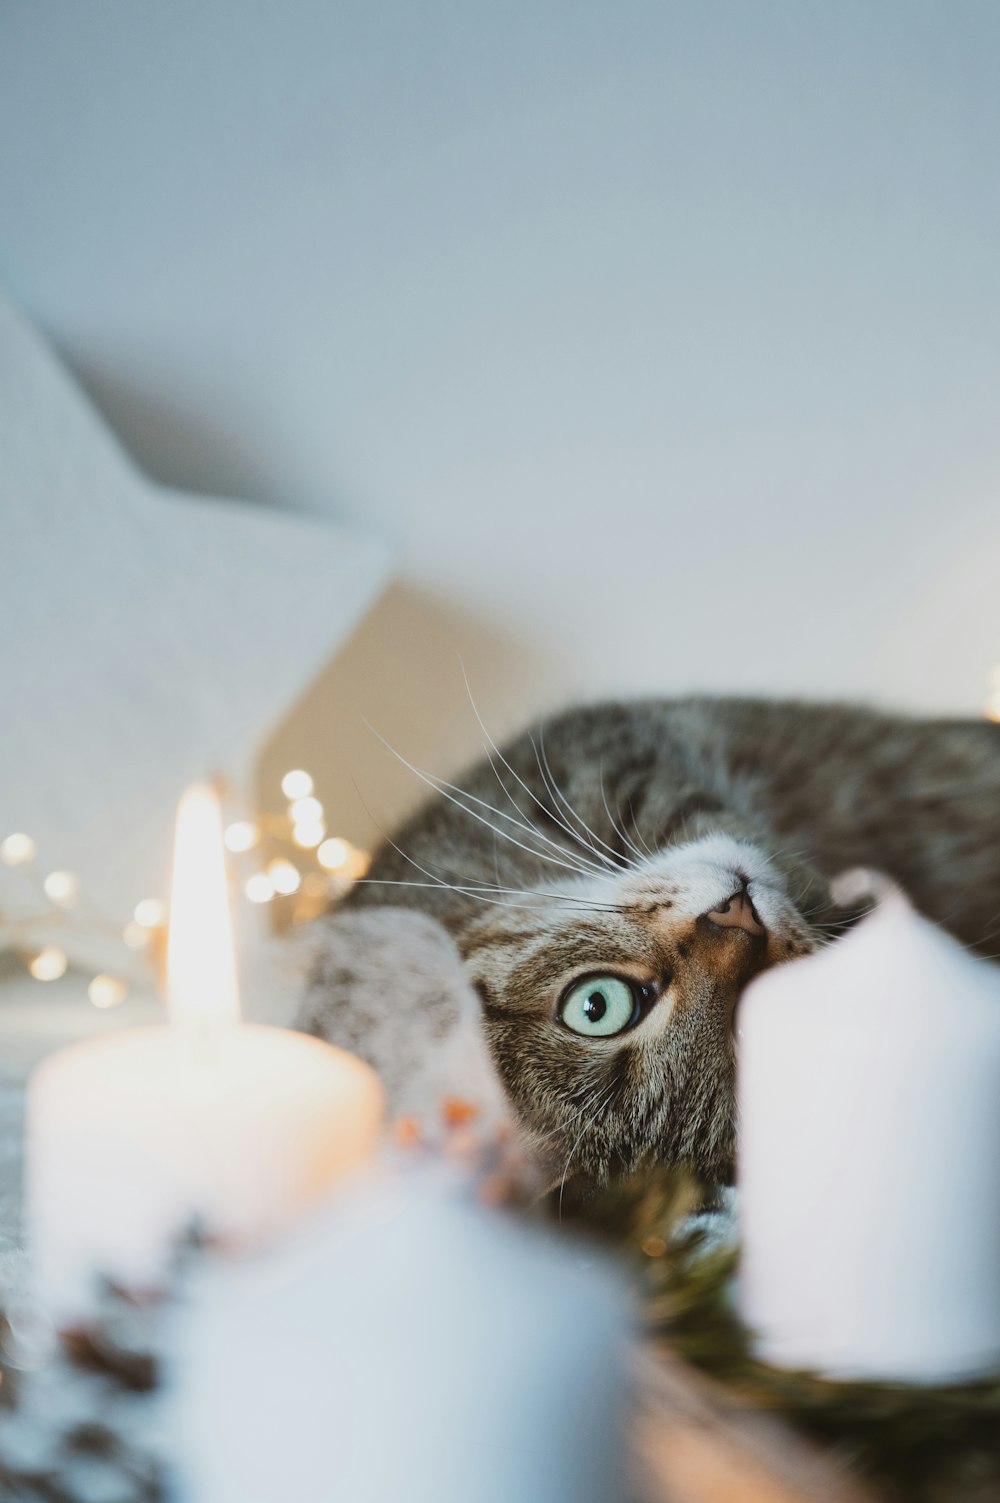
(737, 912)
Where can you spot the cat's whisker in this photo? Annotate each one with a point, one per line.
(537, 1139)
(990, 934)
(620, 828)
(578, 848)
(801, 855)
(476, 889)
(441, 785)
(494, 750)
(612, 858)
(646, 851)
(618, 825)
(524, 825)
(465, 886)
(579, 1139)
(436, 881)
(449, 791)
(496, 858)
(597, 868)
(984, 939)
(569, 859)
(525, 907)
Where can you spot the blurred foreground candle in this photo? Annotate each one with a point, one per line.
(134, 1136)
(407, 1344)
(869, 1082)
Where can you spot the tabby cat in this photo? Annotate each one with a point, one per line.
(611, 880)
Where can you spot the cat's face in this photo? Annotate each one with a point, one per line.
(608, 1005)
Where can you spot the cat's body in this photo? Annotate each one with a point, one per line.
(614, 877)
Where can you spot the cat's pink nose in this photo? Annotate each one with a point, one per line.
(737, 913)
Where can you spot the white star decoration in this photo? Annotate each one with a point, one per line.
(148, 638)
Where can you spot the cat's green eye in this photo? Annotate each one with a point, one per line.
(599, 1007)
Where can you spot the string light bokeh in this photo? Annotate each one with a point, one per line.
(298, 869)
(991, 709)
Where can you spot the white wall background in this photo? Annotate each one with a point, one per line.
(663, 340)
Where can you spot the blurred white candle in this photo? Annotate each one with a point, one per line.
(869, 1082)
(133, 1136)
(408, 1345)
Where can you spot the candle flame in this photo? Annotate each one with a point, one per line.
(991, 709)
(201, 965)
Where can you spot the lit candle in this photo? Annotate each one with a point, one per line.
(869, 1082)
(201, 964)
(133, 1137)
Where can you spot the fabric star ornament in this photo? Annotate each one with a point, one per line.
(150, 637)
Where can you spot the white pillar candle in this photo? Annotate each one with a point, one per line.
(869, 1083)
(133, 1137)
(408, 1345)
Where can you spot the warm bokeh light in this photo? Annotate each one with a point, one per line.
(49, 964)
(991, 709)
(150, 913)
(334, 854)
(283, 876)
(306, 811)
(259, 889)
(135, 936)
(308, 835)
(201, 965)
(17, 849)
(241, 836)
(62, 888)
(296, 784)
(107, 991)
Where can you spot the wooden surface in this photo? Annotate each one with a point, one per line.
(695, 1443)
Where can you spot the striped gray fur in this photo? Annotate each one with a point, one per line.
(598, 842)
